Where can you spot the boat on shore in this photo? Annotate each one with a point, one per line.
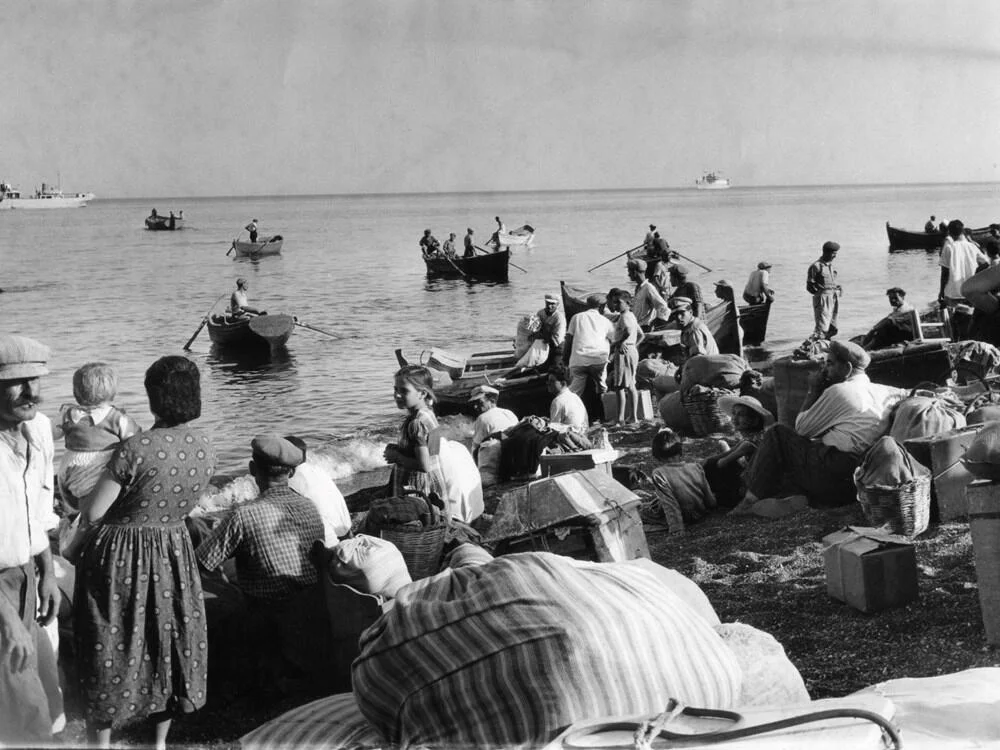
(47, 198)
(904, 239)
(251, 333)
(712, 181)
(171, 223)
(486, 267)
(523, 236)
(267, 246)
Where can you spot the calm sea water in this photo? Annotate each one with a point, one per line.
(94, 285)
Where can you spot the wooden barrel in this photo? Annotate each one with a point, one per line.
(791, 384)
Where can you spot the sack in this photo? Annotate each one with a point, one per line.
(713, 371)
(462, 483)
(649, 370)
(526, 326)
(536, 355)
(924, 415)
(673, 413)
(888, 464)
(489, 462)
(976, 359)
(369, 564)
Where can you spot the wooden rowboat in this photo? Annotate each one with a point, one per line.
(522, 236)
(164, 223)
(256, 332)
(269, 246)
(903, 239)
(753, 321)
(488, 267)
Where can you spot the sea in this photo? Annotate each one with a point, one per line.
(94, 285)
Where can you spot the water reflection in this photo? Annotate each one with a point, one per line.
(242, 363)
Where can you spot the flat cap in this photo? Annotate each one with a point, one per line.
(896, 289)
(830, 246)
(21, 357)
(848, 351)
(638, 264)
(680, 303)
(552, 298)
(763, 265)
(274, 450)
(596, 300)
(680, 270)
(482, 391)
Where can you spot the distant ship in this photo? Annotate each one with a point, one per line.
(47, 197)
(712, 181)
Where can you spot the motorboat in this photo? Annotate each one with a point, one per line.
(48, 197)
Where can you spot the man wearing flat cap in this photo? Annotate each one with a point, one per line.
(648, 305)
(553, 328)
(686, 289)
(696, 338)
(29, 595)
(647, 244)
(842, 415)
(588, 347)
(757, 290)
(821, 283)
(492, 419)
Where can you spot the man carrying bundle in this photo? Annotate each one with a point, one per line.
(553, 328)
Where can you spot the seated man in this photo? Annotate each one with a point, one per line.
(313, 482)
(894, 328)
(843, 414)
(567, 410)
(696, 338)
(492, 420)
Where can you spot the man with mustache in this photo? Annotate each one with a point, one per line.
(29, 680)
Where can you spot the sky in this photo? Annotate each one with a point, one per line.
(250, 97)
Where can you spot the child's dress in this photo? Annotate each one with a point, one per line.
(91, 433)
(419, 430)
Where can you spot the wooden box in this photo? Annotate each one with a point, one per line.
(595, 458)
(869, 569)
(942, 454)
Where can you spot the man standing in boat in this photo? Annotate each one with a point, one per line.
(647, 244)
(470, 246)
(252, 228)
(930, 227)
(239, 301)
(553, 328)
(821, 283)
(429, 244)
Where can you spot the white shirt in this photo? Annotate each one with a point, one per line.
(649, 304)
(592, 334)
(494, 420)
(757, 283)
(315, 483)
(850, 416)
(26, 497)
(961, 258)
(567, 408)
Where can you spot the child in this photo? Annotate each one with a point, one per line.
(624, 355)
(92, 429)
(681, 487)
(724, 471)
(416, 465)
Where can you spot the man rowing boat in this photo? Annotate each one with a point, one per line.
(239, 301)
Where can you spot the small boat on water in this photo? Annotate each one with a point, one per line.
(251, 333)
(712, 181)
(266, 246)
(522, 236)
(486, 267)
(904, 239)
(171, 223)
(48, 197)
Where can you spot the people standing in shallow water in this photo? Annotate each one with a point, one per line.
(821, 283)
(415, 458)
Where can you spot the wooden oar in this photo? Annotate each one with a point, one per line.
(204, 321)
(233, 246)
(455, 266)
(510, 262)
(317, 330)
(689, 260)
(620, 255)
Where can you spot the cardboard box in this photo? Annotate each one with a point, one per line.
(984, 526)
(586, 515)
(595, 458)
(942, 454)
(643, 409)
(869, 569)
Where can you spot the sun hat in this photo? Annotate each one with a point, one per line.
(21, 357)
(274, 450)
(763, 265)
(726, 403)
(831, 246)
(482, 391)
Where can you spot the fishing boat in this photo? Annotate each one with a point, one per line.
(48, 197)
(712, 181)
(171, 223)
(266, 246)
(753, 321)
(904, 239)
(523, 236)
(490, 266)
(251, 333)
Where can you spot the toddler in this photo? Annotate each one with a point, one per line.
(92, 428)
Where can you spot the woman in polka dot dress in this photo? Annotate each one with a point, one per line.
(138, 615)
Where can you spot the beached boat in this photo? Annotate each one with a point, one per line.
(48, 197)
(522, 236)
(904, 239)
(257, 332)
(165, 223)
(753, 321)
(712, 181)
(266, 246)
(490, 266)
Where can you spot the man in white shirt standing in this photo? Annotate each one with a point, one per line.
(588, 346)
(960, 259)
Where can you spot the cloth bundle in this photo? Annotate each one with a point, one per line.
(526, 326)
(462, 482)
(888, 464)
(658, 374)
(713, 371)
(369, 564)
(536, 355)
(925, 414)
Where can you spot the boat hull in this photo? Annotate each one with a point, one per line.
(717, 185)
(490, 267)
(753, 321)
(270, 246)
(51, 202)
(255, 333)
(164, 224)
(903, 239)
(524, 237)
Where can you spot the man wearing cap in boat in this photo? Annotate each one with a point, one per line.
(821, 283)
(695, 337)
(29, 596)
(239, 301)
(687, 289)
(661, 248)
(842, 415)
(491, 420)
(757, 291)
(894, 328)
(429, 244)
(252, 229)
(553, 328)
(470, 245)
(647, 244)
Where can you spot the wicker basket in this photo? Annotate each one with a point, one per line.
(905, 509)
(421, 546)
(702, 406)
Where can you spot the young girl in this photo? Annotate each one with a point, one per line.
(415, 460)
(750, 419)
(92, 428)
(624, 355)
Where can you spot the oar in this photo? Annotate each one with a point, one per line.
(314, 328)
(620, 255)
(233, 246)
(689, 260)
(455, 266)
(204, 320)
(487, 252)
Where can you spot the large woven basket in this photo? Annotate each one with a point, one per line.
(905, 509)
(421, 546)
(702, 406)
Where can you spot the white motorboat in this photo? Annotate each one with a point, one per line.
(712, 181)
(48, 197)
(524, 235)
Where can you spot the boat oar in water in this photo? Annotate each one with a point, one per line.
(204, 321)
(510, 262)
(233, 246)
(689, 260)
(314, 328)
(620, 255)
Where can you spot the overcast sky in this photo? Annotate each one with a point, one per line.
(233, 97)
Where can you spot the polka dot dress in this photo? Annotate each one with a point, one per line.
(138, 615)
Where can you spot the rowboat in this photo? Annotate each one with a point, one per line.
(490, 266)
(268, 246)
(165, 223)
(523, 236)
(753, 321)
(903, 239)
(257, 332)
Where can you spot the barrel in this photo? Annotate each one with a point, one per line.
(791, 384)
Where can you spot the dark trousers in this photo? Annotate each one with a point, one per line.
(787, 462)
(253, 236)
